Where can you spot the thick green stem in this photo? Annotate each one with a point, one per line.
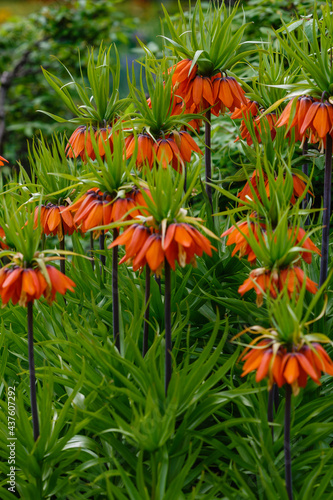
(146, 317)
(327, 210)
(32, 375)
(167, 321)
(115, 292)
(287, 454)
(208, 157)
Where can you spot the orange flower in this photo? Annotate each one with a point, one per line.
(104, 135)
(235, 236)
(2, 237)
(181, 243)
(202, 92)
(313, 119)
(59, 283)
(250, 108)
(96, 208)
(285, 367)
(80, 144)
(25, 285)
(54, 220)
(2, 159)
(319, 119)
(246, 192)
(265, 280)
(307, 244)
(134, 239)
(175, 148)
(268, 120)
(227, 93)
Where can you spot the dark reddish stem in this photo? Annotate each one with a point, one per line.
(62, 261)
(32, 375)
(146, 317)
(92, 249)
(115, 292)
(101, 246)
(287, 454)
(270, 408)
(208, 157)
(327, 210)
(305, 170)
(167, 321)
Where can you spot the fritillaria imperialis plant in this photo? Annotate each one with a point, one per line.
(27, 276)
(311, 113)
(52, 175)
(209, 47)
(166, 235)
(99, 108)
(288, 353)
(155, 132)
(270, 235)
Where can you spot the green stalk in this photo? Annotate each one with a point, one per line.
(327, 210)
(287, 454)
(33, 397)
(208, 157)
(146, 317)
(167, 320)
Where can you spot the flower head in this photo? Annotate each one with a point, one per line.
(236, 237)
(180, 242)
(23, 285)
(287, 367)
(79, 144)
(96, 208)
(54, 220)
(173, 149)
(201, 92)
(272, 282)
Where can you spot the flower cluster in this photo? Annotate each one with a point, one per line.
(149, 244)
(287, 366)
(26, 284)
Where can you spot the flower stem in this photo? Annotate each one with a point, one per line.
(62, 262)
(208, 158)
(92, 249)
(327, 210)
(146, 317)
(33, 397)
(270, 408)
(287, 456)
(273, 402)
(305, 170)
(167, 321)
(101, 247)
(115, 294)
